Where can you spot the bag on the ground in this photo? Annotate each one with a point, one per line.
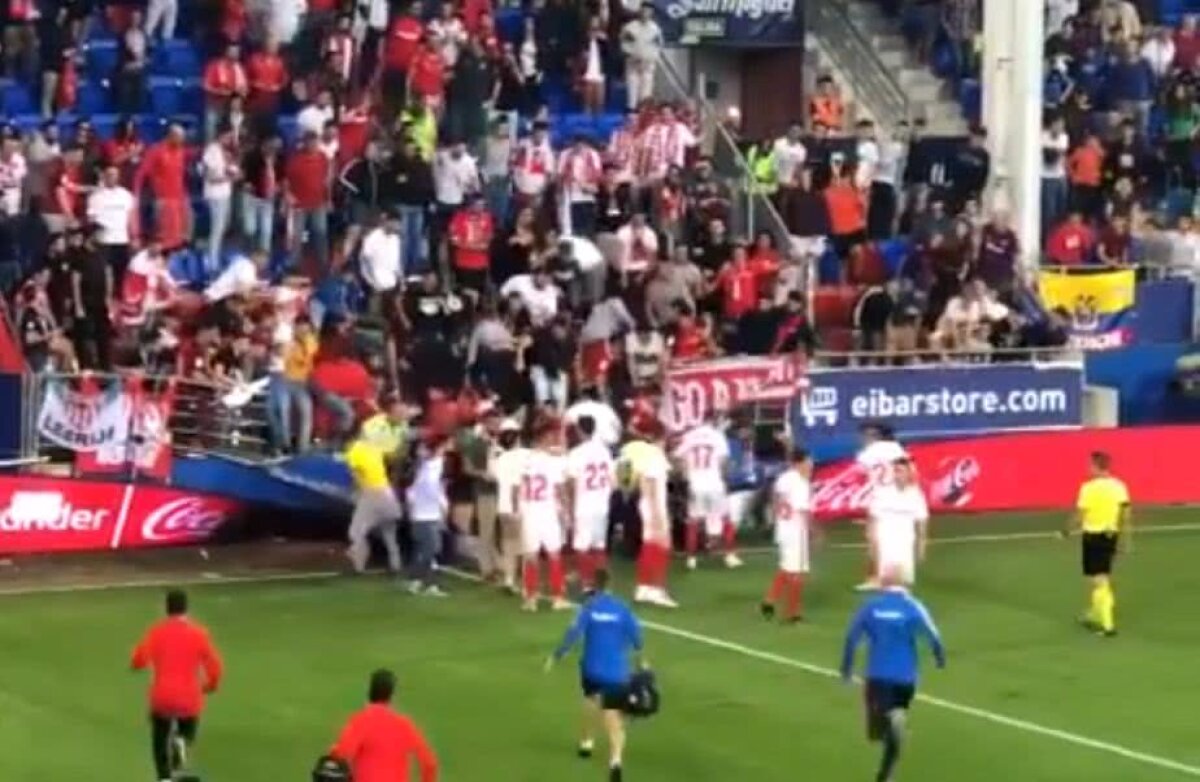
(331, 769)
(643, 699)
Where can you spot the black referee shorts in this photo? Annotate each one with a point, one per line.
(1099, 551)
(882, 698)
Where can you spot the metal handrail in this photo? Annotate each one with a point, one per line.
(1060, 356)
(854, 54)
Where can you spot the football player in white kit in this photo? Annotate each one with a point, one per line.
(651, 472)
(591, 475)
(539, 500)
(703, 451)
(507, 469)
(791, 511)
(901, 517)
(876, 459)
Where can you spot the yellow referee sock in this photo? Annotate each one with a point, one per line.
(1105, 602)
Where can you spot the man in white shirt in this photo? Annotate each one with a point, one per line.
(113, 210)
(607, 422)
(1159, 51)
(791, 513)
(964, 323)
(638, 245)
(315, 116)
(536, 294)
(879, 453)
(790, 155)
(641, 43)
(13, 171)
(885, 179)
(533, 166)
(380, 257)
(703, 452)
(243, 275)
(901, 518)
(507, 468)
(540, 503)
(579, 172)
(455, 176)
(591, 476)
(220, 172)
(1055, 143)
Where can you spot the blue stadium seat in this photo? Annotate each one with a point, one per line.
(28, 123)
(895, 253)
(176, 58)
(187, 269)
(607, 124)
(192, 98)
(970, 97)
(166, 95)
(101, 57)
(618, 97)
(829, 268)
(150, 127)
(510, 24)
(18, 98)
(94, 98)
(105, 125)
(289, 129)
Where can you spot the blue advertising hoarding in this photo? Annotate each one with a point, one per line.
(731, 22)
(929, 401)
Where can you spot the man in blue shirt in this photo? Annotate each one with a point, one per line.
(609, 632)
(892, 620)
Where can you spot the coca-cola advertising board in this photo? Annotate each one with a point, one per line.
(44, 515)
(692, 391)
(1022, 472)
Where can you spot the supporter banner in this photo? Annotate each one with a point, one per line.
(43, 515)
(692, 391)
(731, 22)
(1022, 472)
(1100, 301)
(940, 400)
(109, 428)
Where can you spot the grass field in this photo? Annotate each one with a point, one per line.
(1027, 695)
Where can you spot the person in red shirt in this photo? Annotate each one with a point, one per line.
(163, 167)
(397, 50)
(764, 259)
(427, 75)
(307, 196)
(63, 205)
(176, 650)
(738, 283)
(224, 77)
(1071, 242)
(471, 232)
(691, 340)
(847, 215)
(267, 77)
(378, 743)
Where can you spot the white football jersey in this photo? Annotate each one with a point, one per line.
(793, 499)
(703, 450)
(877, 459)
(593, 474)
(897, 512)
(507, 468)
(537, 495)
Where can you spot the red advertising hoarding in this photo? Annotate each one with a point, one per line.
(1036, 471)
(43, 515)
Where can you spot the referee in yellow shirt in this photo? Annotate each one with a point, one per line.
(1103, 515)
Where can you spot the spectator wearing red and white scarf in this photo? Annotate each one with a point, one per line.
(533, 164)
(224, 77)
(147, 287)
(579, 171)
(638, 246)
(623, 148)
(664, 144)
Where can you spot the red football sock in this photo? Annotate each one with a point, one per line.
(645, 565)
(776, 589)
(692, 537)
(531, 576)
(586, 562)
(558, 579)
(662, 562)
(729, 536)
(795, 593)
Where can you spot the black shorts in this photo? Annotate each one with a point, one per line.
(881, 699)
(612, 696)
(1099, 551)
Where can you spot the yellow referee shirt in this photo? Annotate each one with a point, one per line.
(632, 460)
(367, 466)
(1101, 504)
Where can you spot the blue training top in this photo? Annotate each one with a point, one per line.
(609, 632)
(892, 620)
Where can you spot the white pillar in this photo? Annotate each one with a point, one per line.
(1012, 101)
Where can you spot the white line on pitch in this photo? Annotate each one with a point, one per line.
(163, 583)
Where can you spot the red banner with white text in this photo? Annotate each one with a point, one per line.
(44, 515)
(1035, 471)
(693, 391)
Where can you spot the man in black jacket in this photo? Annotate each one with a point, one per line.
(410, 188)
(363, 184)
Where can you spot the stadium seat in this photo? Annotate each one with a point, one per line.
(970, 97)
(895, 253)
(18, 98)
(177, 58)
(150, 127)
(289, 129)
(101, 57)
(187, 269)
(510, 24)
(829, 268)
(833, 305)
(105, 125)
(28, 123)
(618, 97)
(93, 98)
(166, 95)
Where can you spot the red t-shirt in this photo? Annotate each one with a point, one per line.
(1069, 244)
(765, 264)
(176, 650)
(739, 288)
(308, 178)
(471, 234)
(266, 73)
(428, 73)
(402, 39)
(164, 165)
(690, 342)
(379, 744)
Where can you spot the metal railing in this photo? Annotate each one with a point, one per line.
(884, 359)
(875, 85)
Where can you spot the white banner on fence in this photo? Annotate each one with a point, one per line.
(85, 422)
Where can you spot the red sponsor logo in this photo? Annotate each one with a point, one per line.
(1036, 471)
(182, 520)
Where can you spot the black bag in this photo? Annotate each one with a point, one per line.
(643, 698)
(331, 769)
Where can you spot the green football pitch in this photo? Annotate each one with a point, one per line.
(1028, 695)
